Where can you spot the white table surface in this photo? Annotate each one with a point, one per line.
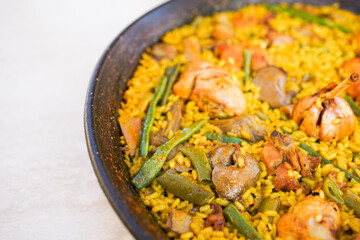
(48, 51)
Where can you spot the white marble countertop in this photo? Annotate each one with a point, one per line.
(48, 51)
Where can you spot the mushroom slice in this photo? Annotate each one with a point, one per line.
(272, 80)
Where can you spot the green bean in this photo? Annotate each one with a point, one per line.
(307, 16)
(186, 188)
(352, 201)
(247, 62)
(172, 74)
(238, 220)
(325, 161)
(150, 117)
(201, 163)
(354, 106)
(332, 192)
(225, 138)
(150, 169)
(270, 204)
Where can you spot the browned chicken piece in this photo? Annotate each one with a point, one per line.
(349, 67)
(234, 52)
(259, 58)
(308, 163)
(281, 141)
(272, 80)
(179, 221)
(333, 119)
(163, 50)
(312, 218)
(231, 181)
(271, 157)
(221, 156)
(338, 108)
(250, 124)
(210, 86)
(283, 181)
(217, 87)
(173, 125)
(223, 28)
(281, 156)
(216, 218)
(278, 39)
(131, 128)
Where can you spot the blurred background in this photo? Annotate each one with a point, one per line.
(48, 51)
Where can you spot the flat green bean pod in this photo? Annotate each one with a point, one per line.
(186, 188)
(150, 169)
(201, 163)
(237, 219)
(150, 117)
(332, 192)
(352, 201)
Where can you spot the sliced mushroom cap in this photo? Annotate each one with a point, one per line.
(221, 156)
(238, 125)
(272, 80)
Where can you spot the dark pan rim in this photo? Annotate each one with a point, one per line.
(94, 155)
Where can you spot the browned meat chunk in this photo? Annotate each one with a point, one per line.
(216, 218)
(230, 181)
(271, 157)
(250, 124)
(312, 218)
(272, 80)
(212, 88)
(281, 141)
(282, 149)
(283, 181)
(179, 221)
